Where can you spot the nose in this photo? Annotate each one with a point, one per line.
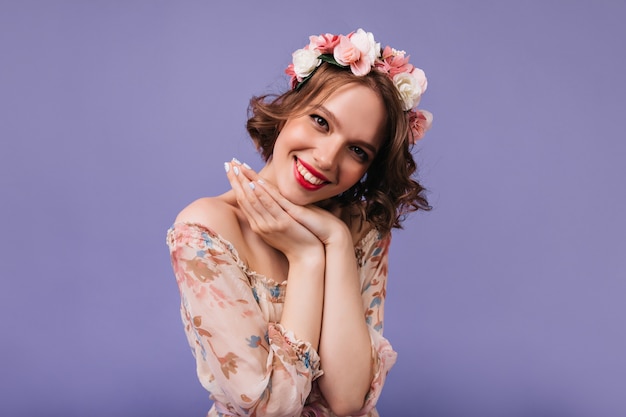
(327, 154)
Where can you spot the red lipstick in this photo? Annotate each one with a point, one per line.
(302, 181)
(313, 171)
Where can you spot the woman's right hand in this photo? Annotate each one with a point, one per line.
(266, 216)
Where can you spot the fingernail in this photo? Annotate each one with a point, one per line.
(260, 181)
(235, 160)
(236, 170)
(251, 184)
(226, 167)
(246, 165)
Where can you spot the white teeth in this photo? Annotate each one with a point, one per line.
(307, 175)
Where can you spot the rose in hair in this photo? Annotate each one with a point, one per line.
(394, 62)
(305, 61)
(419, 122)
(360, 53)
(324, 43)
(358, 50)
(411, 86)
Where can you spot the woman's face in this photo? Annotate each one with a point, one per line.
(328, 149)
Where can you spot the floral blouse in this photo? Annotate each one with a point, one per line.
(248, 362)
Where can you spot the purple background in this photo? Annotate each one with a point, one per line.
(507, 300)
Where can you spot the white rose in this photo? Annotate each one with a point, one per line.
(364, 42)
(409, 88)
(305, 61)
(420, 76)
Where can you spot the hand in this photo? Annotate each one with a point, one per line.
(322, 223)
(266, 216)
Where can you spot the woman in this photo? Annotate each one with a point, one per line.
(282, 278)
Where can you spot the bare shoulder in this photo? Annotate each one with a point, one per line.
(216, 213)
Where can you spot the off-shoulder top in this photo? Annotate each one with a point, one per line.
(247, 361)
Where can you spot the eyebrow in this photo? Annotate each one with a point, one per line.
(335, 121)
(329, 115)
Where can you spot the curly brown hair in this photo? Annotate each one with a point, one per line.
(386, 193)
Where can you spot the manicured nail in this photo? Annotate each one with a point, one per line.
(235, 160)
(251, 184)
(246, 165)
(236, 170)
(226, 167)
(260, 181)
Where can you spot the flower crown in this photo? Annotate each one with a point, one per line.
(362, 54)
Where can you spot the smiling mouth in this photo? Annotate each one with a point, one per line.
(307, 178)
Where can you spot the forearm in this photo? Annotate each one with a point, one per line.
(345, 347)
(302, 310)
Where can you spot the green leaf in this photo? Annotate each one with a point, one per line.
(331, 60)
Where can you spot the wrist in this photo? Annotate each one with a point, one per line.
(339, 237)
(310, 256)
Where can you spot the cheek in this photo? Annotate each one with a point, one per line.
(353, 174)
(292, 136)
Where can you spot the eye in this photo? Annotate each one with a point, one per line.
(360, 153)
(319, 121)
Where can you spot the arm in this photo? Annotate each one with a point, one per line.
(302, 310)
(354, 355)
(373, 262)
(345, 346)
(240, 357)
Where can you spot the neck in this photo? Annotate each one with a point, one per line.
(267, 173)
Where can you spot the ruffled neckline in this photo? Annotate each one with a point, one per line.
(364, 241)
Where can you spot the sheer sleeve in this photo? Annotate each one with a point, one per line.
(250, 366)
(372, 258)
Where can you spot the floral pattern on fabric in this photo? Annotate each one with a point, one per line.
(249, 363)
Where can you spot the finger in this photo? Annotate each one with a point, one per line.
(259, 205)
(242, 173)
(240, 186)
(245, 169)
(277, 196)
(248, 177)
(311, 217)
(260, 211)
(233, 172)
(267, 201)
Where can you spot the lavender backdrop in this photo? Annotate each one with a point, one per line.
(505, 301)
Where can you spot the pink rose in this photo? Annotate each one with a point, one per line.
(385, 58)
(324, 43)
(364, 41)
(293, 81)
(389, 52)
(420, 121)
(361, 67)
(394, 62)
(345, 52)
